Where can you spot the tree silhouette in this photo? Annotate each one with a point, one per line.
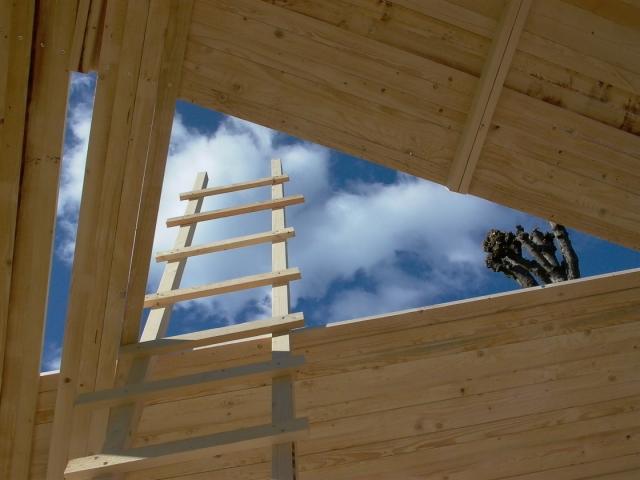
(506, 253)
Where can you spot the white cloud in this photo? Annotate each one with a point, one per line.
(52, 357)
(372, 231)
(78, 125)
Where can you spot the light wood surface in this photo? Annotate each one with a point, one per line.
(283, 464)
(234, 187)
(217, 444)
(228, 244)
(488, 92)
(135, 99)
(34, 81)
(239, 210)
(165, 298)
(394, 82)
(435, 391)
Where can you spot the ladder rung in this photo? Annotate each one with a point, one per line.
(214, 336)
(234, 187)
(231, 211)
(186, 384)
(237, 242)
(163, 299)
(139, 458)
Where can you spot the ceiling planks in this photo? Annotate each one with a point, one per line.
(392, 82)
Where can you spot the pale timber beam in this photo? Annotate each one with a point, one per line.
(234, 187)
(83, 54)
(123, 421)
(139, 70)
(186, 384)
(241, 283)
(231, 243)
(184, 450)
(239, 210)
(487, 94)
(282, 395)
(34, 43)
(213, 336)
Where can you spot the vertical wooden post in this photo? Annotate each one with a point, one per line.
(283, 455)
(34, 82)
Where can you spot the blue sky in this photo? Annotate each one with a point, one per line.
(369, 240)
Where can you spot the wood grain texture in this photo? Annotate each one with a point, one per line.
(34, 81)
(239, 210)
(272, 236)
(532, 384)
(391, 82)
(235, 187)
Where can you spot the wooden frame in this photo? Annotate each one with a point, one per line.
(488, 92)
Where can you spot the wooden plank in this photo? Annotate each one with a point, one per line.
(242, 283)
(593, 291)
(33, 97)
(16, 25)
(135, 101)
(376, 50)
(239, 210)
(155, 98)
(179, 451)
(565, 441)
(186, 384)
(130, 115)
(486, 98)
(234, 187)
(237, 242)
(212, 336)
(283, 465)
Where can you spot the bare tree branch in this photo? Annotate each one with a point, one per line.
(505, 254)
(570, 262)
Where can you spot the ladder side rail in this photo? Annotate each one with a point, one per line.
(282, 398)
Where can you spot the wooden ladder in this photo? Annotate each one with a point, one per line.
(121, 406)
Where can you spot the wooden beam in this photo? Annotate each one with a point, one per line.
(282, 395)
(87, 35)
(237, 242)
(186, 384)
(213, 336)
(183, 450)
(16, 22)
(139, 73)
(242, 283)
(486, 97)
(239, 210)
(234, 187)
(34, 82)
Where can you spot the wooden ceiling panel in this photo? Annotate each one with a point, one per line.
(392, 82)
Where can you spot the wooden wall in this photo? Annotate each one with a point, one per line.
(537, 384)
(392, 82)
